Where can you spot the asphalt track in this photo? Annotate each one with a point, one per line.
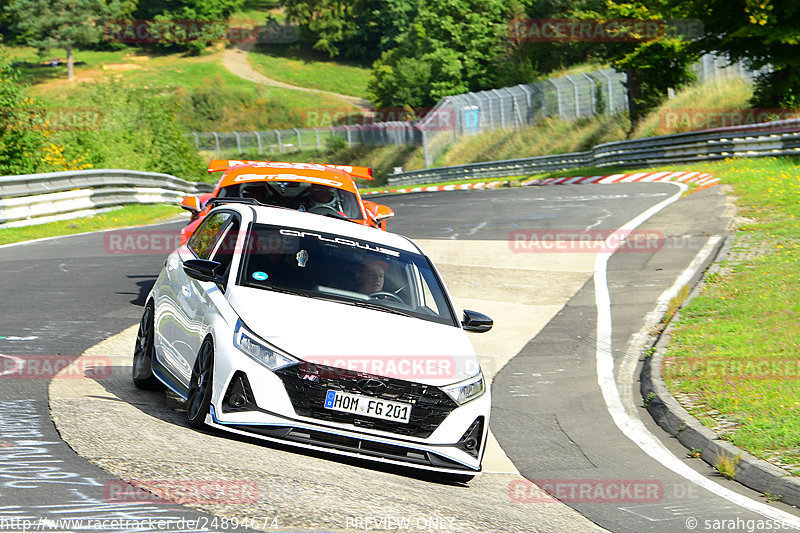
(64, 295)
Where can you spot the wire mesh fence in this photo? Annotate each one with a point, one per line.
(570, 97)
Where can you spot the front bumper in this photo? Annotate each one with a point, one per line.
(287, 407)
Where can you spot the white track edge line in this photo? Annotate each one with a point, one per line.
(632, 428)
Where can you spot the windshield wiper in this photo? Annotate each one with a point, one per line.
(296, 292)
(378, 307)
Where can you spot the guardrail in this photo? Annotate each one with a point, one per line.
(778, 138)
(38, 198)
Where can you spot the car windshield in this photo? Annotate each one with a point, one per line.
(350, 271)
(312, 197)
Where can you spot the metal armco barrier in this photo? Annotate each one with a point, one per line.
(38, 198)
(779, 138)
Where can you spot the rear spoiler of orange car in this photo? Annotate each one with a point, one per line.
(218, 165)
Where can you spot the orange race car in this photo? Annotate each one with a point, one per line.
(320, 189)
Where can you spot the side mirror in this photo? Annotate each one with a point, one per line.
(191, 204)
(382, 212)
(202, 269)
(476, 322)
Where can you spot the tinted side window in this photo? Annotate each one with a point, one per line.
(224, 252)
(204, 239)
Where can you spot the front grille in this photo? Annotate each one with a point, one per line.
(307, 385)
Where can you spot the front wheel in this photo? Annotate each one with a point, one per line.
(142, 372)
(200, 387)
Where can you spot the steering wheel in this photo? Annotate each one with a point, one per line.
(327, 211)
(383, 295)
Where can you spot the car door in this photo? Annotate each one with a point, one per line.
(183, 319)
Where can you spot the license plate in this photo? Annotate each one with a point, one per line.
(368, 406)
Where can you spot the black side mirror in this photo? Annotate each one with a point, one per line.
(202, 269)
(476, 322)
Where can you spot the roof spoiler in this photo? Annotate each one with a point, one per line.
(218, 165)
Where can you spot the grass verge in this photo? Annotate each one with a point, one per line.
(131, 215)
(735, 350)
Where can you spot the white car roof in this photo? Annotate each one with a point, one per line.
(313, 222)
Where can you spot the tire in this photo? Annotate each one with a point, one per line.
(201, 386)
(142, 371)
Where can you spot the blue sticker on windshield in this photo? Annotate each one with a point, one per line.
(260, 276)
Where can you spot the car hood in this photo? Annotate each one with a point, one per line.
(365, 340)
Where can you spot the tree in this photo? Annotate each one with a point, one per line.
(19, 143)
(162, 14)
(762, 33)
(450, 47)
(61, 23)
(652, 65)
(358, 29)
(25, 139)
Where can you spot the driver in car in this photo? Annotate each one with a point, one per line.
(322, 196)
(370, 276)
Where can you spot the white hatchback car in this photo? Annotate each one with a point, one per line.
(303, 329)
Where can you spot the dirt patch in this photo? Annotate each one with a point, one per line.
(121, 66)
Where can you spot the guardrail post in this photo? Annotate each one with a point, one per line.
(299, 140)
(238, 142)
(196, 140)
(258, 139)
(347, 131)
(216, 140)
(280, 144)
(319, 148)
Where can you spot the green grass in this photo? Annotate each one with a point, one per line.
(270, 107)
(550, 136)
(33, 69)
(132, 215)
(673, 115)
(736, 346)
(291, 65)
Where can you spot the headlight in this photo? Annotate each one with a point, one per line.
(467, 390)
(261, 351)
